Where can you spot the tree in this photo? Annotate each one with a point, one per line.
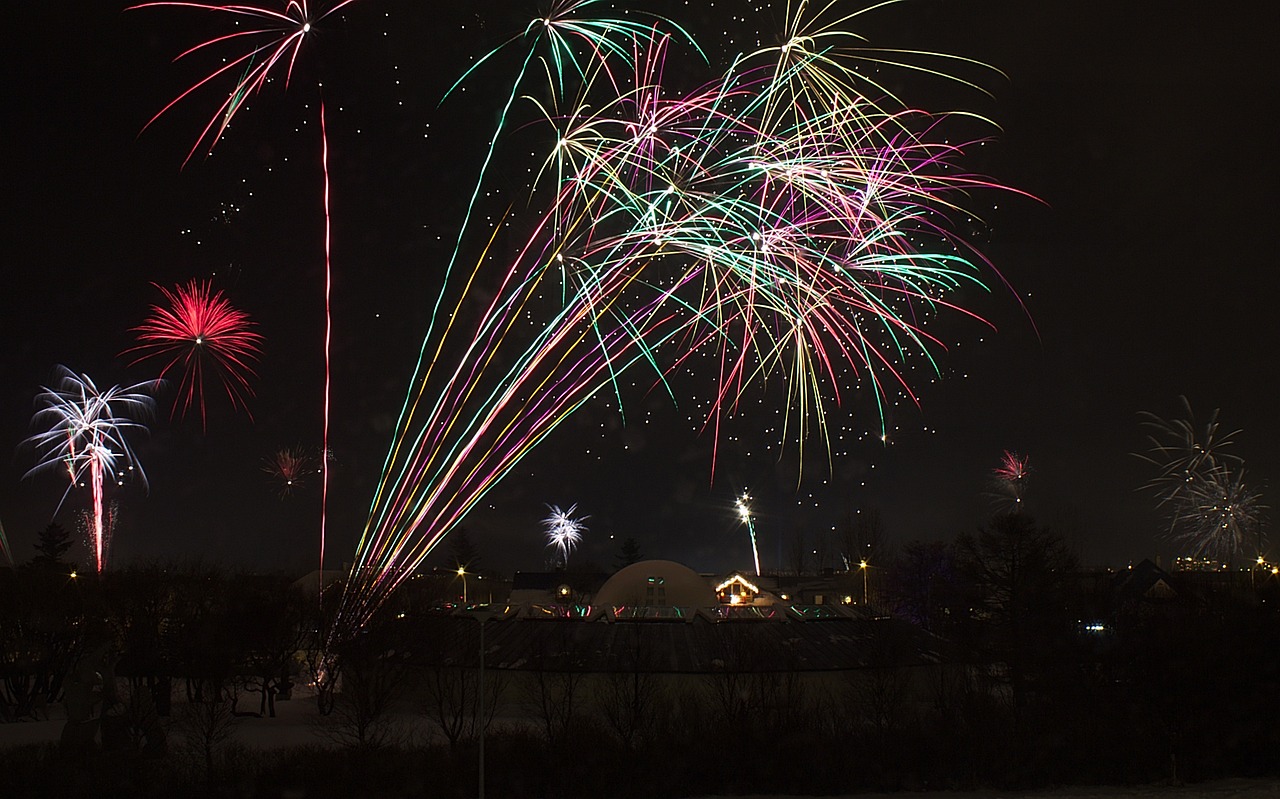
(52, 546)
(628, 554)
(921, 581)
(861, 537)
(463, 551)
(1019, 581)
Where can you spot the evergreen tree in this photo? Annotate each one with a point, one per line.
(628, 554)
(51, 547)
(463, 551)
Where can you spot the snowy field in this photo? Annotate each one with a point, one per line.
(1222, 789)
(298, 723)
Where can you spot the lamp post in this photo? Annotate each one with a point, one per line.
(482, 614)
(863, 565)
(462, 572)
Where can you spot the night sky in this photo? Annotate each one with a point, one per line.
(1146, 272)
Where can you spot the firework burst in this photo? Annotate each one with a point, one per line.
(1200, 485)
(782, 232)
(85, 435)
(1010, 479)
(290, 469)
(197, 331)
(564, 532)
(270, 42)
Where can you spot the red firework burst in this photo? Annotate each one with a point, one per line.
(289, 468)
(196, 331)
(1013, 467)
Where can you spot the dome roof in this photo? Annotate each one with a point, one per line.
(656, 583)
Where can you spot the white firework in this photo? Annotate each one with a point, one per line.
(564, 532)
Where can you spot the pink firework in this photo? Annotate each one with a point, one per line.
(1011, 479)
(269, 42)
(1013, 468)
(199, 330)
(289, 468)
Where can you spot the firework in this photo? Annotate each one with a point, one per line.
(271, 42)
(1010, 479)
(85, 435)
(744, 513)
(196, 331)
(778, 231)
(1200, 485)
(6, 553)
(563, 532)
(1218, 515)
(290, 469)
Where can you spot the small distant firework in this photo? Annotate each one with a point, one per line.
(86, 435)
(1010, 479)
(563, 532)
(744, 513)
(1200, 485)
(1219, 515)
(200, 330)
(290, 469)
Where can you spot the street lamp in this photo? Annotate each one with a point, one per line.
(462, 572)
(863, 565)
(482, 614)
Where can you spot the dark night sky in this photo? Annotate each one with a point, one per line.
(1148, 272)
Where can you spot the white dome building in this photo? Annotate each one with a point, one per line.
(656, 583)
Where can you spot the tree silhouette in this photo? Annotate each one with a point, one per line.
(628, 554)
(52, 546)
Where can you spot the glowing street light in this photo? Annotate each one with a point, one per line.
(462, 572)
(863, 565)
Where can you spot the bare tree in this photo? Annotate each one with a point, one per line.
(553, 685)
(631, 693)
(206, 723)
(862, 537)
(374, 678)
(451, 680)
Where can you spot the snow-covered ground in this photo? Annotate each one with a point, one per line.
(1221, 789)
(298, 720)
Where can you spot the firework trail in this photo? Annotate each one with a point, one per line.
(1010, 479)
(198, 329)
(271, 42)
(85, 434)
(744, 513)
(1200, 485)
(563, 532)
(290, 469)
(6, 552)
(772, 226)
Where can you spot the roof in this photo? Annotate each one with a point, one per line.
(703, 640)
